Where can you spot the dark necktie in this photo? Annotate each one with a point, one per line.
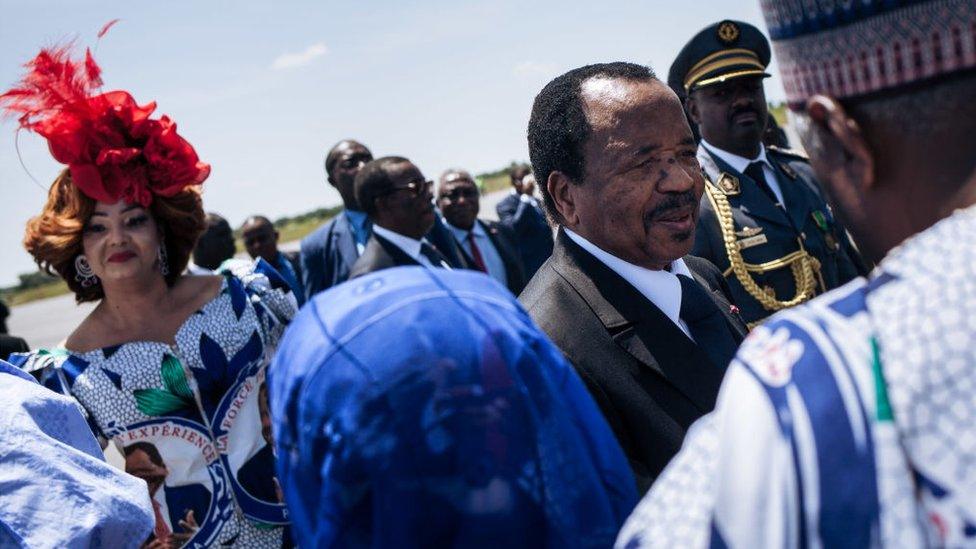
(479, 261)
(706, 323)
(435, 257)
(755, 172)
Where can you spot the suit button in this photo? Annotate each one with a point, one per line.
(803, 235)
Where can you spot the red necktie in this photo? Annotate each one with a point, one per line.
(479, 262)
(161, 530)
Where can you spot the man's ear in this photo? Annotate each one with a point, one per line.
(560, 189)
(691, 107)
(837, 145)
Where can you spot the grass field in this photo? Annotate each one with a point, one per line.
(20, 296)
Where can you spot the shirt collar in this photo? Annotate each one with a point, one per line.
(738, 163)
(462, 234)
(661, 288)
(357, 218)
(409, 245)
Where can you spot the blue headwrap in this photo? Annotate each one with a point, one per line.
(420, 407)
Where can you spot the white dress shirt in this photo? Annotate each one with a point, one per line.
(661, 288)
(410, 246)
(491, 257)
(740, 163)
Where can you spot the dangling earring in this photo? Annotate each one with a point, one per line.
(163, 260)
(84, 273)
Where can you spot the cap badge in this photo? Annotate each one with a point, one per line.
(728, 32)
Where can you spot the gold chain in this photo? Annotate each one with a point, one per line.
(805, 267)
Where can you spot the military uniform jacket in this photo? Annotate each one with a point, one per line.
(766, 234)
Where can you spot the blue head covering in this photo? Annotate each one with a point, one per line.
(56, 490)
(421, 407)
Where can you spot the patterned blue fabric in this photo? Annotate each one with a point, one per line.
(416, 407)
(55, 488)
(188, 417)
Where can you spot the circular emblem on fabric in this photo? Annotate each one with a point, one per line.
(728, 32)
(771, 355)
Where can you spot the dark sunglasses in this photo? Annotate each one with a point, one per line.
(416, 188)
(461, 192)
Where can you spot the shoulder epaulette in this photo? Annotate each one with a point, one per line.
(788, 152)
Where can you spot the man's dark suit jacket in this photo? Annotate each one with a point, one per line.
(650, 380)
(256, 476)
(11, 344)
(327, 255)
(532, 233)
(380, 254)
(295, 260)
(180, 499)
(504, 242)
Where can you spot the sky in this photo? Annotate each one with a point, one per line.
(262, 89)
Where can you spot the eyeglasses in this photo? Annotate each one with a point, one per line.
(416, 188)
(461, 192)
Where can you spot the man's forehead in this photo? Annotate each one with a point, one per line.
(456, 178)
(403, 169)
(606, 101)
(352, 149)
(259, 225)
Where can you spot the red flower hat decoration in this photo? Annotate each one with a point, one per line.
(112, 147)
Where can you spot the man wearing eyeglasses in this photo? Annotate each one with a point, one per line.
(328, 254)
(398, 200)
(486, 246)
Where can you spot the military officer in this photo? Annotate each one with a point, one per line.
(764, 221)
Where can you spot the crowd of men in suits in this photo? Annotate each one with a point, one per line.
(626, 262)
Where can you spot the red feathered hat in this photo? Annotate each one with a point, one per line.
(112, 147)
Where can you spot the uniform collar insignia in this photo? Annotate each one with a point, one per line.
(788, 170)
(728, 184)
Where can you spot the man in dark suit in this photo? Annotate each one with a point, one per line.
(520, 211)
(486, 246)
(650, 328)
(178, 509)
(328, 254)
(764, 221)
(398, 200)
(261, 240)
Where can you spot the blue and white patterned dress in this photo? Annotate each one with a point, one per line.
(847, 422)
(193, 408)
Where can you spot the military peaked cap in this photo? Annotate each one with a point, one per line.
(720, 52)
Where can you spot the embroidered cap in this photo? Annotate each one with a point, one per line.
(849, 49)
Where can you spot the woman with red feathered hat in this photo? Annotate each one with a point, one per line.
(167, 366)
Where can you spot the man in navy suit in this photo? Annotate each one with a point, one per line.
(328, 254)
(487, 246)
(521, 212)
